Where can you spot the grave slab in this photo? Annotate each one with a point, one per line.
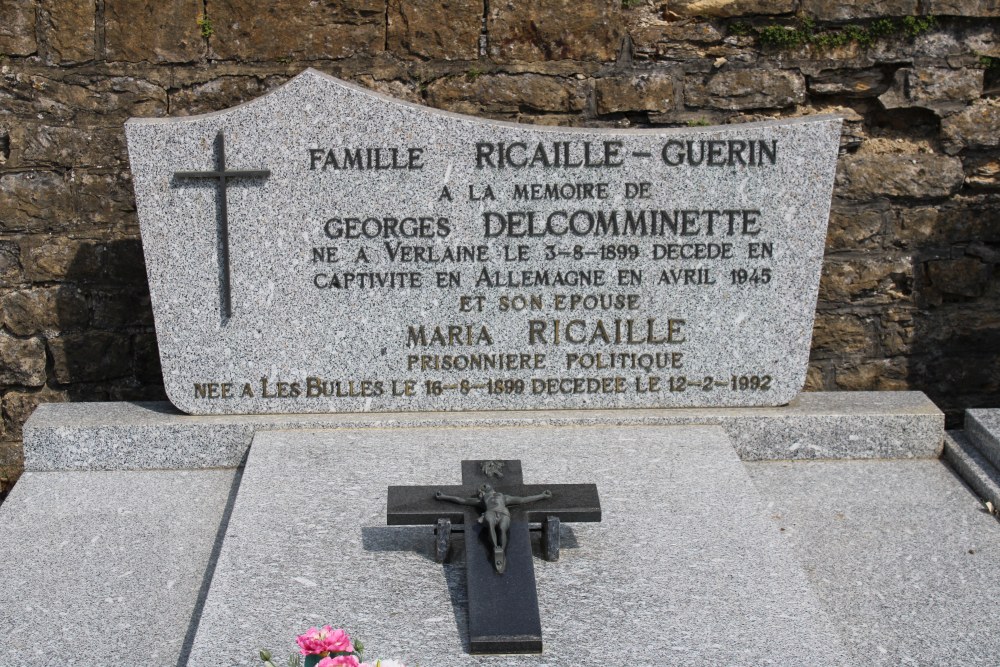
(106, 568)
(901, 553)
(325, 248)
(821, 425)
(685, 565)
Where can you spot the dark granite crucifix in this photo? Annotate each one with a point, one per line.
(503, 602)
(223, 175)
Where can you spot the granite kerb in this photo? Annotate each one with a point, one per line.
(972, 466)
(982, 426)
(154, 435)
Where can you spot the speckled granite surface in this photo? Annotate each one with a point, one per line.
(901, 553)
(972, 466)
(684, 569)
(703, 276)
(983, 427)
(105, 568)
(118, 436)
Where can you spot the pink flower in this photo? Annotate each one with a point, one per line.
(324, 641)
(340, 661)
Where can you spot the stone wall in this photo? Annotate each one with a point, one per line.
(910, 297)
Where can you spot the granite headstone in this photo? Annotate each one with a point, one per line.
(327, 249)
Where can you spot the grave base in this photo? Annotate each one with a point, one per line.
(141, 565)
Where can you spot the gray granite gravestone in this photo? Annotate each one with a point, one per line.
(327, 249)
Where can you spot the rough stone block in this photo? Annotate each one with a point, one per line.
(913, 226)
(917, 175)
(965, 8)
(116, 559)
(163, 31)
(35, 201)
(122, 308)
(747, 89)
(837, 336)
(729, 8)
(18, 406)
(146, 359)
(856, 226)
(299, 29)
(104, 200)
(744, 602)
(10, 263)
(964, 276)
(504, 93)
(44, 310)
(22, 361)
(87, 261)
(55, 258)
(437, 29)
(89, 356)
(17, 27)
(876, 375)
(964, 221)
(39, 144)
(976, 126)
(218, 93)
(645, 38)
(80, 101)
(982, 171)
(868, 279)
(529, 30)
(854, 83)
(68, 30)
(936, 88)
(898, 332)
(846, 10)
(640, 92)
(11, 457)
(684, 41)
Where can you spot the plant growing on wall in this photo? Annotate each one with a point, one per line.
(804, 32)
(205, 25)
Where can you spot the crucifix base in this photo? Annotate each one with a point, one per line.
(503, 608)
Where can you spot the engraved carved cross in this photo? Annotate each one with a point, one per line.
(223, 175)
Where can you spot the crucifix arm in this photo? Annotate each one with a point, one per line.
(519, 500)
(455, 499)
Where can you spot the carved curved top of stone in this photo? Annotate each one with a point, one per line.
(352, 252)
